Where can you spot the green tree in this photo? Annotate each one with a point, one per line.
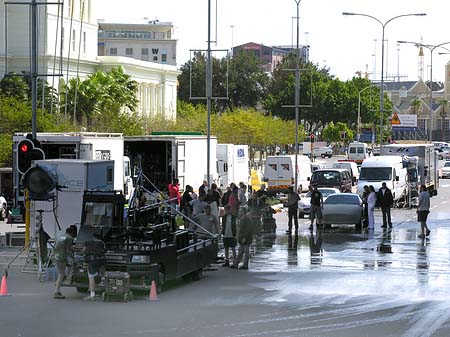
(333, 132)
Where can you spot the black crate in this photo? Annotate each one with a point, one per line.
(117, 287)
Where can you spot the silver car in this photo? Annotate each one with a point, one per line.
(445, 170)
(305, 202)
(343, 208)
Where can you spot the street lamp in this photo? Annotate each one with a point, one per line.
(431, 48)
(359, 112)
(383, 25)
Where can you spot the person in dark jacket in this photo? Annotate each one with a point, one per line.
(94, 255)
(185, 204)
(245, 239)
(229, 231)
(386, 201)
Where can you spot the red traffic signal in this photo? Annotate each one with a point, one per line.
(26, 153)
(311, 136)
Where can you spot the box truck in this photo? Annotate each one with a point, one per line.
(165, 156)
(427, 172)
(232, 164)
(81, 145)
(74, 176)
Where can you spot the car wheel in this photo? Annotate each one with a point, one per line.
(440, 157)
(301, 215)
(322, 155)
(329, 156)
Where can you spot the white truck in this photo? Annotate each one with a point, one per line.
(384, 169)
(427, 162)
(82, 145)
(280, 175)
(357, 152)
(74, 176)
(232, 164)
(165, 156)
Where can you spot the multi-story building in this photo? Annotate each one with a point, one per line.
(270, 56)
(68, 46)
(147, 42)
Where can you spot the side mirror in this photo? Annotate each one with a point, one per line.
(308, 178)
(397, 178)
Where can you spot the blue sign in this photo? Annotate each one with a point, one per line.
(240, 153)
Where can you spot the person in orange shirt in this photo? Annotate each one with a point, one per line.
(174, 194)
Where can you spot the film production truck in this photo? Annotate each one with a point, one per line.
(81, 145)
(164, 156)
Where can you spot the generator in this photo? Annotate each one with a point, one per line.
(117, 287)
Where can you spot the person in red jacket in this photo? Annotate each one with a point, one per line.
(174, 194)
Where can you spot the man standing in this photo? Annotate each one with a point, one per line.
(245, 239)
(203, 189)
(174, 194)
(422, 211)
(292, 204)
(315, 211)
(94, 255)
(61, 254)
(386, 202)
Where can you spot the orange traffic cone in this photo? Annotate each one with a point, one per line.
(153, 293)
(4, 287)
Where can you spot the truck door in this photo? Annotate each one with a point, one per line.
(179, 162)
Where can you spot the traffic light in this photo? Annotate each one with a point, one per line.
(27, 151)
(40, 181)
(343, 134)
(311, 136)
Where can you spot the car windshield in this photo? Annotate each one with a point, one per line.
(325, 177)
(342, 199)
(375, 173)
(98, 214)
(327, 192)
(447, 164)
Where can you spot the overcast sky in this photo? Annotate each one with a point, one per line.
(345, 44)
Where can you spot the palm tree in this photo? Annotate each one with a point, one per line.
(415, 105)
(444, 105)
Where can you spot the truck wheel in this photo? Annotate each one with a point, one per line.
(197, 275)
(322, 155)
(301, 215)
(82, 289)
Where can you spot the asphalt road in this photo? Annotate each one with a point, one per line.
(336, 283)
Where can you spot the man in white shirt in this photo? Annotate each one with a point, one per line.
(422, 211)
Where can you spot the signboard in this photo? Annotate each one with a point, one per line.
(404, 120)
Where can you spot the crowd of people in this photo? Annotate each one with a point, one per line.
(235, 214)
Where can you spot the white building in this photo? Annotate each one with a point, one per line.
(147, 42)
(79, 38)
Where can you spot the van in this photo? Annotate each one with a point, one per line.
(279, 173)
(384, 169)
(357, 152)
(349, 166)
(336, 178)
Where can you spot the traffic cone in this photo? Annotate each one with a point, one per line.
(153, 293)
(4, 287)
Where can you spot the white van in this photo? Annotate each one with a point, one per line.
(357, 152)
(279, 173)
(349, 166)
(384, 169)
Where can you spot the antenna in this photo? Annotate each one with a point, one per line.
(420, 65)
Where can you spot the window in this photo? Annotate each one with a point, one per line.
(352, 150)
(129, 52)
(62, 38)
(163, 55)
(375, 173)
(84, 42)
(273, 166)
(74, 37)
(360, 150)
(112, 51)
(144, 51)
(446, 124)
(421, 124)
(337, 199)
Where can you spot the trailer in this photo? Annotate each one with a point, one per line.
(141, 242)
(166, 156)
(427, 162)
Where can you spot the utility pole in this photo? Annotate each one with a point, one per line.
(208, 97)
(34, 74)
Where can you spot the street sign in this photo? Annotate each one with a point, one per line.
(403, 120)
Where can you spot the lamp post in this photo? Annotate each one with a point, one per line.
(431, 48)
(297, 92)
(383, 26)
(359, 112)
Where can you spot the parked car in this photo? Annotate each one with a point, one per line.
(342, 208)
(334, 178)
(305, 202)
(376, 151)
(323, 152)
(443, 154)
(445, 170)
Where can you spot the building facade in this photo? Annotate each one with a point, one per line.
(147, 42)
(67, 48)
(270, 56)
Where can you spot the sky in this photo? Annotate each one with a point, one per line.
(344, 44)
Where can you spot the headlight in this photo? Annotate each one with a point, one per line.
(140, 259)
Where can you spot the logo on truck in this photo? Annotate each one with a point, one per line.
(103, 155)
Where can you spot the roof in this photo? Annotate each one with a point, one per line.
(391, 86)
